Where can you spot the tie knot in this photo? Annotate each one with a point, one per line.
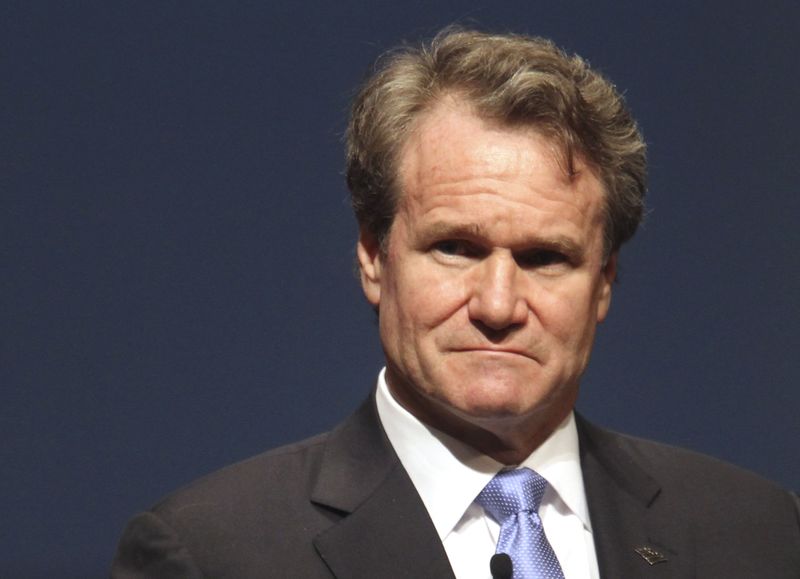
(511, 492)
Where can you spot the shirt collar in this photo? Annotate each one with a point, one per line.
(448, 474)
(557, 459)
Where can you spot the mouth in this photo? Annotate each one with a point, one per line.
(499, 352)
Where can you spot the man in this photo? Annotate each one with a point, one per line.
(494, 179)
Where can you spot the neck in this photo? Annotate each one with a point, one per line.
(507, 439)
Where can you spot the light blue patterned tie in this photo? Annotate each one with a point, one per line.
(512, 498)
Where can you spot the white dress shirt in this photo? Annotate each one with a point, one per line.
(448, 475)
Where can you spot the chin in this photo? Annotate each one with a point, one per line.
(496, 401)
(509, 396)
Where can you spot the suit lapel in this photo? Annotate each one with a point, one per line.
(385, 530)
(635, 536)
(382, 529)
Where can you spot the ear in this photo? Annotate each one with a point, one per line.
(370, 265)
(608, 275)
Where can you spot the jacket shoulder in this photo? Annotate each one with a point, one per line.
(711, 519)
(278, 473)
(235, 522)
(732, 519)
(673, 466)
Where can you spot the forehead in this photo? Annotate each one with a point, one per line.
(453, 156)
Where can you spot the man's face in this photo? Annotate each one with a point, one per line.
(493, 277)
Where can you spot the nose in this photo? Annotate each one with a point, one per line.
(497, 300)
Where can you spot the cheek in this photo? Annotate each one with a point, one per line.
(568, 318)
(406, 312)
(423, 309)
(426, 299)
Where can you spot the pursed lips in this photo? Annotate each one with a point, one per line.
(497, 351)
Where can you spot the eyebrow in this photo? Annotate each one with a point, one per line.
(475, 231)
(445, 229)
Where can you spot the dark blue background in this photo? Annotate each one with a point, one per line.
(177, 246)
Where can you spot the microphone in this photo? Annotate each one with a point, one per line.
(500, 566)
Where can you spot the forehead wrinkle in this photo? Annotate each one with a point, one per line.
(500, 205)
(428, 177)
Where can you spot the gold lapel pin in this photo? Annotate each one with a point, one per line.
(650, 555)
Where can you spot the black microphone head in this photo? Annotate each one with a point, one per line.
(500, 566)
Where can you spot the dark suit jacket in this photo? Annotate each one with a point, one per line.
(341, 505)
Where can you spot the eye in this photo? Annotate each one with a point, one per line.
(455, 247)
(449, 247)
(541, 258)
